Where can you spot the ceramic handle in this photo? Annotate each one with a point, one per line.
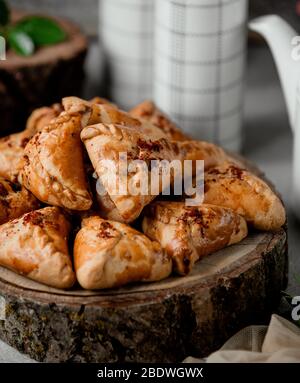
(279, 35)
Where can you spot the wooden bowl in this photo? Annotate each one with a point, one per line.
(51, 73)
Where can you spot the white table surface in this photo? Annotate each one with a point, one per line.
(268, 142)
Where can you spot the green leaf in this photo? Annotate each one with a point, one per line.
(4, 13)
(20, 42)
(43, 31)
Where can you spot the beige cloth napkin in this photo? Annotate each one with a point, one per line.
(278, 343)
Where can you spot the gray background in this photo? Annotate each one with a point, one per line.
(268, 137)
(84, 12)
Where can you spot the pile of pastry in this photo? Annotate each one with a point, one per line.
(58, 230)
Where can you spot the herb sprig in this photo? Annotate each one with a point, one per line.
(29, 33)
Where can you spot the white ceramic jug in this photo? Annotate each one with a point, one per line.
(280, 37)
(199, 66)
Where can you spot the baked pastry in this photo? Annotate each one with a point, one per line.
(49, 161)
(53, 168)
(35, 245)
(15, 201)
(101, 101)
(11, 152)
(189, 233)
(41, 117)
(107, 113)
(201, 150)
(107, 208)
(12, 146)
(72, 103)
(111, 254)
(101, 110)
(104, 143)
(230, 186)
(147, 110)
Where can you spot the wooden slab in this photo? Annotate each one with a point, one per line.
(155, 322)
(44, 78)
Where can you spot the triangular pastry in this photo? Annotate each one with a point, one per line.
(211, 154)
(189, 233)
(230, 186)
(12, 146)
(53, 167)
(41, 117)
(111, 254)
(15, 201)
(36, 245)
(107, 113)
(11, 153)
(105, 142)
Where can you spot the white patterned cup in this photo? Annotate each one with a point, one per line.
(199, 60)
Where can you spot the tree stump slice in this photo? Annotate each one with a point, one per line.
(157, 322)
(44, 78)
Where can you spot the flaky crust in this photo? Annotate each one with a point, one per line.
(105, 142)
(108, 209)
(15, 201)
(211, 154)
(11, 152)
(12, 146)
(189, 233)
(148, 111)
(230, 186)
(101, 101)
(53, 167)
(41, 117)
(110, 254)
(35, 245)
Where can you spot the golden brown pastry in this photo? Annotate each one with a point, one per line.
(108, 209)
(41, 117)
(107, 113)
(104, 112)
(15, 201)
(72, 103)
(35, 245)
(91, 110)
(12, 146)
(189, 233)
(230, 186)
(101, 101)
(147, 110)
(53, 168)
(106, 142)
(111, 254)
(201, 150)
(11, 152)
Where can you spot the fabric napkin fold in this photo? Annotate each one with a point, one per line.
(277, 343)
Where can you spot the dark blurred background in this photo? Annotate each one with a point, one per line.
(289, 9)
